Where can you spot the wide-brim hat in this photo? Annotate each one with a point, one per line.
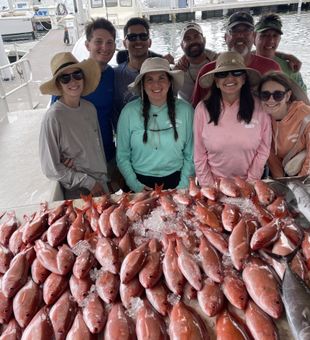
(64, 62)
(229, 61)
(156, 65)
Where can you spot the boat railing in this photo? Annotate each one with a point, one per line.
(14, 77)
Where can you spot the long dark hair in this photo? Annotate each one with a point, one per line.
(171, 109)
(246, 107)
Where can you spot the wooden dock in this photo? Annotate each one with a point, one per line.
(39, 57)
(217, 8)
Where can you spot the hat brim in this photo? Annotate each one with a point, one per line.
(177, 80)
(269, 28)
(92, 74)
(235, 23)
(207, 79)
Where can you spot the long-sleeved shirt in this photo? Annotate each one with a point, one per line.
(161, 155)
(285, 134)
(72, 133)
(231, 148)
(259, 63)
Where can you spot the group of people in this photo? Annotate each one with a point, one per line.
(211, 115)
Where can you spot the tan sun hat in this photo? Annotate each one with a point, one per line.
(64, 62)
(155, 65)
(229, 61)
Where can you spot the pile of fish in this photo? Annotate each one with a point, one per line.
(156, 265)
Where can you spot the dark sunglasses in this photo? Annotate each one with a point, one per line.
(66, 78)
(277, 95)
(234, 73)
(136, 36)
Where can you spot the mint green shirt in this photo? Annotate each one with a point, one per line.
(161, 155)
(296, 76)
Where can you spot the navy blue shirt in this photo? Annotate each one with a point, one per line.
(102, 98)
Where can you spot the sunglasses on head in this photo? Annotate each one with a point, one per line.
(66, 78)
(234, 73)
(136, 36)
(277, 95)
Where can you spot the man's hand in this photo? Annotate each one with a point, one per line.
(169, 57)
(68, 162)
(293, 62)
(182, 64)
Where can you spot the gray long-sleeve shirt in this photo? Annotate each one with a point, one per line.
(72, 133)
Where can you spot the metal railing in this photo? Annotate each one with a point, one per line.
(14, 77)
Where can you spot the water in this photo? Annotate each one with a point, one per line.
(295, 40)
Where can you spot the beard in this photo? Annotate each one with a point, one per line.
(194, 50)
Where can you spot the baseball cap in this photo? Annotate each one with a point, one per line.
(191, 26)
(240, 17)
(269, 22)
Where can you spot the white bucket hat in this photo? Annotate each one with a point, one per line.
(155, 65)
(64, 62)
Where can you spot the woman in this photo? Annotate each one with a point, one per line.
(154, 132)
(232, 135)
(289, 108)
(70, 129)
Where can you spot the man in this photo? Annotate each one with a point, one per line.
(239, 37)
(137, 41)
(195, 56)
(267, 36)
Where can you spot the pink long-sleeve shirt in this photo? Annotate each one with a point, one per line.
(231, 148)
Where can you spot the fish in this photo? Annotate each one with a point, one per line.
(152, 271)
(79, 288)
(83, 264)
(5, 259)
(239, 244)
(12, 331)
(259, 323)
(38, 272)
(262, 287)
(7, 228)
(264, 192)
(234, 290)
(119, 325)
(40, 327)
(211, 261)
(227, 328)
(188, 266)
(62, 315)
(193, 189)
(107, 286)
(107, 255)
(94, 313)
(118, 219)
(57, 232)
(158, 297)
(26, 303)
(186, 324)
(104, 221)
(210, 298)
(130, 290)
(79, 330)
(53, 287)
(65, 259)
(133, 263)
(149, 324)
(6, 307)
(229, 188)
(302, 198)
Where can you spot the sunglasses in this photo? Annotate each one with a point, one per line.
(66, 78)
(136, 36)
(234, 73)
(277, 95)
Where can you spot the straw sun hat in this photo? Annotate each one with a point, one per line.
(64, 62)
(229, 61)
(155, 65)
